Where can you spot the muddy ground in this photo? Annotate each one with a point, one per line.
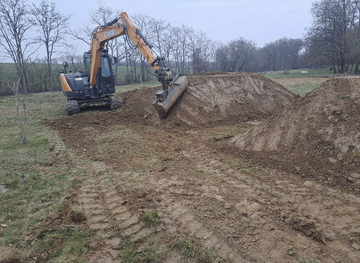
(234, 173)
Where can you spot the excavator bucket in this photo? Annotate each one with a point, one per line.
(165, 99)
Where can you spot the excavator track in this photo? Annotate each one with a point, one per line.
(115, 102)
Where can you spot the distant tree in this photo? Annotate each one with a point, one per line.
(282, 54)
(52, 26)
(158, 28)
(15, 23)
(202, 51)
(145, 25)
(236, 55)
(328, 36)
(180, 49)
(72, 56)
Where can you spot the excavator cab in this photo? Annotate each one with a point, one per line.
(79, 91)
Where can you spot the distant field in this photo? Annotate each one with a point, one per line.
(299, 82)
(298, 73)
(301, 86)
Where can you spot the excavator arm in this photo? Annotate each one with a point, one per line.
(118, 27)
(171, 89)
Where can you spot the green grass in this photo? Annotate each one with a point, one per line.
(301, 89)
(64, 245)
(298, 74)
(155, 250)
(150, 218)
(124, 88)
(34, 181)
(306, 260)
(7, 72)
(190, 249)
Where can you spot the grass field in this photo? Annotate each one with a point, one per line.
(35, 176)
(35, 179)
(299, 73)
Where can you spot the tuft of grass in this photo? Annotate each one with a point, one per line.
(305, 260)
(253, 171)
(190, 249)
(344, 97)
(63, 245)
(154, 251)
(150, 218)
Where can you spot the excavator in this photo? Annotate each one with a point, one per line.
(97, 82)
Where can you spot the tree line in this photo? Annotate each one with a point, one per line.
(331, 42)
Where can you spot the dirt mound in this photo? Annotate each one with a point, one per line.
(319, 135)
(212, 100)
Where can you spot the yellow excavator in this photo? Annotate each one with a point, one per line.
(97, 83)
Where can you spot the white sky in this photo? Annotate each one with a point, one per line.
(262, 21)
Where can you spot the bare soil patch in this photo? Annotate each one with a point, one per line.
(198, 185)
(318, 137)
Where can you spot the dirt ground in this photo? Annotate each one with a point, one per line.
(240, 170)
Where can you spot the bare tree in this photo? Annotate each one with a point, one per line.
(71, 55)
(236, 55)
(52, 28)
(203, 52)
(181, 52)
(328, 35)
(282, 54)
(21, 113)
(158, 28)
(14, 24)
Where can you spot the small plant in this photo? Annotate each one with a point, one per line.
(150, 218)
(193, 250)
(96, 121)
(344, 97)
(153, 252)
(184, 248)
(253, 170)
(305, 260)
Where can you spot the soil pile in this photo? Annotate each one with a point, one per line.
(319, 135)
(212, 99)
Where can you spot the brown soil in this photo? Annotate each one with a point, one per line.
(318, 137)
(204, 170)
(210, 100)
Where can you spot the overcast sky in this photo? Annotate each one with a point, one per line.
(262, 21)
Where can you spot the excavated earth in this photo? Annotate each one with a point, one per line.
(240, 170)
